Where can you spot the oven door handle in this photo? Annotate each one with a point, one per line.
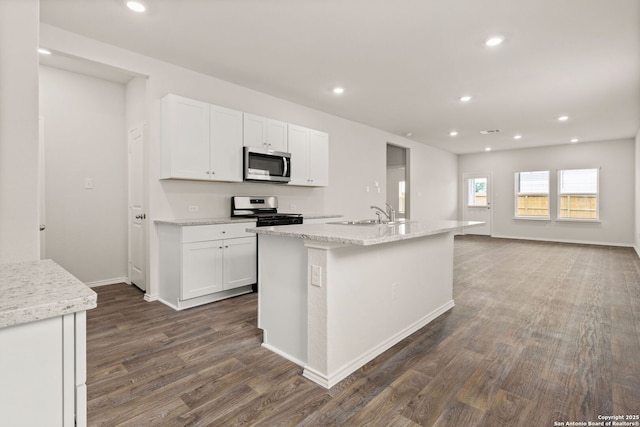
(286, 167)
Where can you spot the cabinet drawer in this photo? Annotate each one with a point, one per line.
(201, 233)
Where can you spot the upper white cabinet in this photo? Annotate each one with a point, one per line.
(309, 150)
(265, 133)
(200, 141)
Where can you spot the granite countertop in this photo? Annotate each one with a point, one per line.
(320, 216)
(39, 290)
(364, 235)
(204, 221)
(229, 220)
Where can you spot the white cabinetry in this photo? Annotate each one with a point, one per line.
(309, 156)
(200, 141)
(43, 372)
(265, 133)
(205, 263)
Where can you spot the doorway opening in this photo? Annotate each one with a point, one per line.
(398, 180)
(476, 202)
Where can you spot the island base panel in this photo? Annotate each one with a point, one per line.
(364, 300)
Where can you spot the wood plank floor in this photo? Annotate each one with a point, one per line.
(541, 333)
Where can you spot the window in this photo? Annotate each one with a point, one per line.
(532, 194)
(578, 194)
(477, 192)
(401, 199)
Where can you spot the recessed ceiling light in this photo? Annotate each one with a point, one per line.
(136, 6)
(574, 140)
(517, 136)
(465, 98)
(487, 149)
(44, 51)
(338, 90)
(563, 118)
(453, 133)
(494, 41)
(408, 134)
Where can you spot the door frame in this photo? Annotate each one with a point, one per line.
(463, 194)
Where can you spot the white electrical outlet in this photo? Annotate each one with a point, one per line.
(193, 208)
(293, 207)
(394, 291)
(88, 183)
(316, 275)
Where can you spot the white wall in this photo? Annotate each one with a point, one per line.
(19, 238)
(84, 134)
(357, 153)
(616, 160)
(637, 205)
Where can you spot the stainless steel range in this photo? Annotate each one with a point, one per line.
(264, 209)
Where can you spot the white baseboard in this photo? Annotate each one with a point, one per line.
(328, 381)
(283, 354)
(108, 282)
(205, 299)
(577, 242)
(150, 298)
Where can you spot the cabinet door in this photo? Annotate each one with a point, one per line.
(255, 131)
(185, 138)
(240, 262)
(32, 376)
(201, 268)
(318, 158)
(277, 135)
(299, 149)
(226, 144)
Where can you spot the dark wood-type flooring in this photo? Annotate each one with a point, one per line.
(541, 333)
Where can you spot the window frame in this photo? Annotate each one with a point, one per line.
(596, 194)
(517, 194)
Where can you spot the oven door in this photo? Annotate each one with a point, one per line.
(266, 165)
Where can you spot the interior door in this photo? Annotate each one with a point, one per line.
(476, 202)
(41, 189)
(137, 215)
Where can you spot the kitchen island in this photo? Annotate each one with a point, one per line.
(43, 345)
(334, 296)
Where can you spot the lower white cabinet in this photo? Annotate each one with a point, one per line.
(205, 263)
(43, 372)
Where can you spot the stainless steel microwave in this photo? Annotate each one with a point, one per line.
(266, 165)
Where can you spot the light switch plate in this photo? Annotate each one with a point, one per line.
(316, 275)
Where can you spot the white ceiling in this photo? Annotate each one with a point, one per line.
(404, 63)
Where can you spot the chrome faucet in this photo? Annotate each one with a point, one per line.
(390, 213)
